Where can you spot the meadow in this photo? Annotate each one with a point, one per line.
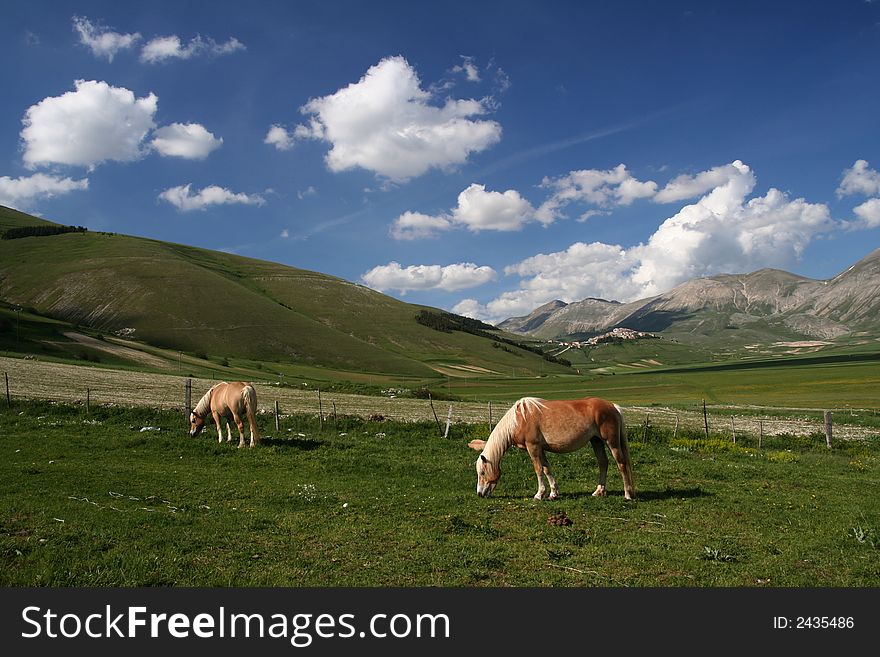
(119, 496)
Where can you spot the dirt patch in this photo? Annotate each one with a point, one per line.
(118, 350)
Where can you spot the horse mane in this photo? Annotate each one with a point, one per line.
(502, 434)
(204, 404)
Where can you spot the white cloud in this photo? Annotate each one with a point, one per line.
(19, 193)
(868, 214)
(385, 123)
(469, 68)
(280, 138)
(596, 187)
(308, 191)
(450, 278)
(477, 209)
(684, 187)
(724, 231)
(184, 200)
(285, 233)
(190, 141)
(859, 179)
(468, 308)
(86, 127)
(161, 49)
(102, 41)
(481, 210)
(415, 225)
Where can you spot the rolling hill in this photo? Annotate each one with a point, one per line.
(761, 307)
(205, 302)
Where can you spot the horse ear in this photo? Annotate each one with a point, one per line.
(477, 445)
(484, 459)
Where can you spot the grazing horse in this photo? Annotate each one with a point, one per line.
(562, 426)
(226, 400)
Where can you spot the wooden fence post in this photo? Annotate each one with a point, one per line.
(760, 433)
(705, 419)
(334, 415)
(645, 433)
(277, 417)
(187, 401)
(320, 410)
(490, 416)
(8, 398)
(828, 424)
(88, 400)
(733, 429)
(436, 419)
(448, 421)
(675, 430)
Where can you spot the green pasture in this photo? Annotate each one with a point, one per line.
(123, 497)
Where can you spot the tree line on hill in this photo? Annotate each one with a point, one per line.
(448, 322)
(40, 231)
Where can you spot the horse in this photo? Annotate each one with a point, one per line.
(560, 426)
(222, 401)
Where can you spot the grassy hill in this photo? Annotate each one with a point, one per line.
(209, 303)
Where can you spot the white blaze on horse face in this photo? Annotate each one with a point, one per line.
(196, 424)
(487, 476)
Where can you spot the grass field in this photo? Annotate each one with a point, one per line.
(122, 497)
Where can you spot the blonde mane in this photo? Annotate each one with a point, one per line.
(203, 408)
(502, 435)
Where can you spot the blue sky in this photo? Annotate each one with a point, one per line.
(483, 157)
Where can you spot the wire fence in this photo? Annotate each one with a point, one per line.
(33, 379)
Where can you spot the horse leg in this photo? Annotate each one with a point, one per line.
(542, 469)
(216, 417)
(602, 458)
(240, 426)
(228, 432)
(625, 468)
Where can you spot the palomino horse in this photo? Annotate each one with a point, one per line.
(539, 426)
(222, 401)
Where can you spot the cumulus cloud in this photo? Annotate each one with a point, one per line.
(450, 278)
(20, 193)
(162, 49)
(184, 200)
(477, 210)
(684, 187)
(385, 123)
(102, 41)
(415, 225)
(190, 141)
(868, 214)
(724, 231)
(596, 187)
(280, 138)
(88, 126)
(859, 179)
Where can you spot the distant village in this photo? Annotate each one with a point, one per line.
(614, 335)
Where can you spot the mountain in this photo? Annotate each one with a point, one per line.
(763, 306)
(206, 302)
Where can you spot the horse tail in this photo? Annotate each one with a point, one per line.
(249, 395)
(624, 445)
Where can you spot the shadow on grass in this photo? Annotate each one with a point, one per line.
(300, 444)
(646, 495)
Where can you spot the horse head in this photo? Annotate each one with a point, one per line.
(488, 473)
(196, 424)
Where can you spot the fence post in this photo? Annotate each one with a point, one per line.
(490, 416)
(8, 398)
(733, 429)
(334, 415)
(675, 430)
(320, 410)
(436, 419)
(448, 421)
(645, 434)
(277, 417)
(88, 400)
(760, 433)
(705, 419)
(828, 429)
(187, 401)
